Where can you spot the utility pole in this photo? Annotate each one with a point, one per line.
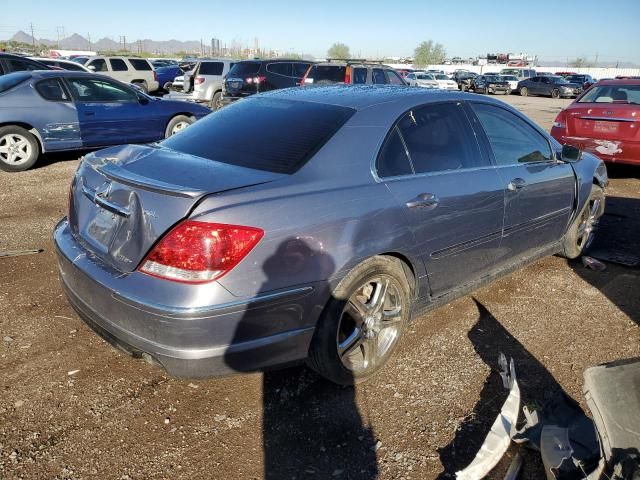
(201, 48)
(33, 38)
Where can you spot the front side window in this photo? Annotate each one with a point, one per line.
(282, 68)
(98, 90)
(52, 90)
(140, 64)
(439, 138)
(99, 65)
(512, 140)
(118, 65)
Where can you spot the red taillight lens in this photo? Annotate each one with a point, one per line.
(347, 75)
(199, 252)
(199, 80)
(561, 121)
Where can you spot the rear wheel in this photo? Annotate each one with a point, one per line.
(216, 101)
(363, 322)
(555, 93)
(177, 124)
(19, 149)
(524, 91)
(507, 91)
(581, 232)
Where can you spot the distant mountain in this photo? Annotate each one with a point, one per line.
(78, 42)
(601, 64)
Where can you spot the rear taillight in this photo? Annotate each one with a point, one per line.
(561, 121)
(256, 80)
(198, 80)
(155, 76)
(199, 252)
(305, 78)
(347, 75)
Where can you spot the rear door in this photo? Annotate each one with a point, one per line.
(62, 131)
(450, 193)
(111, 113)
(539, 190)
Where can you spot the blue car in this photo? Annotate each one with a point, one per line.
(167, 74)
(48, 111)
(315, 223)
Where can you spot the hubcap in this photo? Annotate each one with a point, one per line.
(589, 223)
(370, 324)
(179, 127)
(14, 149)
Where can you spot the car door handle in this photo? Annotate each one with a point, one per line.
(516, 184)
(424, 200)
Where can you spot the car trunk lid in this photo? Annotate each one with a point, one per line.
(604, 121)
(124, 199)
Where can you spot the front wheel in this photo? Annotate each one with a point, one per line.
(177, 124)
(216, 101)
(555, 93)
(524, 91)
(582, 231)
(19, 149)
(363, 322)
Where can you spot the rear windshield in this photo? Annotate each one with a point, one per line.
(211, 68)
(326, 74)
(244, 68)
(140, 64)
(283, 134)
(11, 80)
(610, 94)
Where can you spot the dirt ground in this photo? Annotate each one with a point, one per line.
(71, 406)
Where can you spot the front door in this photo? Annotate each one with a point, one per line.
(450, 194)
(112, 114)
(539, 190)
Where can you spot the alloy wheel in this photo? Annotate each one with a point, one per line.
(588, 224)
(179, 127)
(370, 324)
(15, 149)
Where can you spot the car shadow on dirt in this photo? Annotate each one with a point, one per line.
(56, 157)
(311, 428)
(537, 385)
(618, 233)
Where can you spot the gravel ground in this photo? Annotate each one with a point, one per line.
(74, 407)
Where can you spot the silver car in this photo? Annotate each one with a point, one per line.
(315, 223)
(208, 80)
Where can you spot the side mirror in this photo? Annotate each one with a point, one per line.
(92, 68)
(571, 154)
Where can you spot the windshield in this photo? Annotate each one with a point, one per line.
(11, 80)
(284, 134)
(492, 78)
(629, 94)
(509, 78)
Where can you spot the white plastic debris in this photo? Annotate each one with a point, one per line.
(593, 264)
(499, 437)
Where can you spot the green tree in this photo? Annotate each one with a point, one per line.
(429, 53)
(338, 50)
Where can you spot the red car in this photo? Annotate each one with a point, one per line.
(604, 120)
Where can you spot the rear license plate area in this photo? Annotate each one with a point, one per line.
(102, 227)
(601, 126)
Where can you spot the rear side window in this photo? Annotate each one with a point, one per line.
(393, 78)
(439, 138)
(284, 133)
(327, 74)
(512, 140)
(244, 68)
(23, 65)
(211, 68)
(98, 64)
(72, 66)
(140, 64)
(359, 75)
(299, 69)
(280, 68)
(393, 160)
(612, 94)
(52, 90)
(118, 65)
(377, 76)
(9, 81)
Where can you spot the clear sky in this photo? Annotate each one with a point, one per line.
(552, 29)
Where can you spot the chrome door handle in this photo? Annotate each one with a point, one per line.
(516, 184)
(424, 200)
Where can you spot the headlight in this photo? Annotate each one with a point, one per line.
(566, 88)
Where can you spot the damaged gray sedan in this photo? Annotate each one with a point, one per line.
(314, 224)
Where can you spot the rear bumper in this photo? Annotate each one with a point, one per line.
(238, 336)
(613, 151)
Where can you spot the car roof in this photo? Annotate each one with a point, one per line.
(620, 81)
(36, 74)
(360, 97)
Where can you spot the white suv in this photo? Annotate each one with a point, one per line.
(138, 71)
(208, 80)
